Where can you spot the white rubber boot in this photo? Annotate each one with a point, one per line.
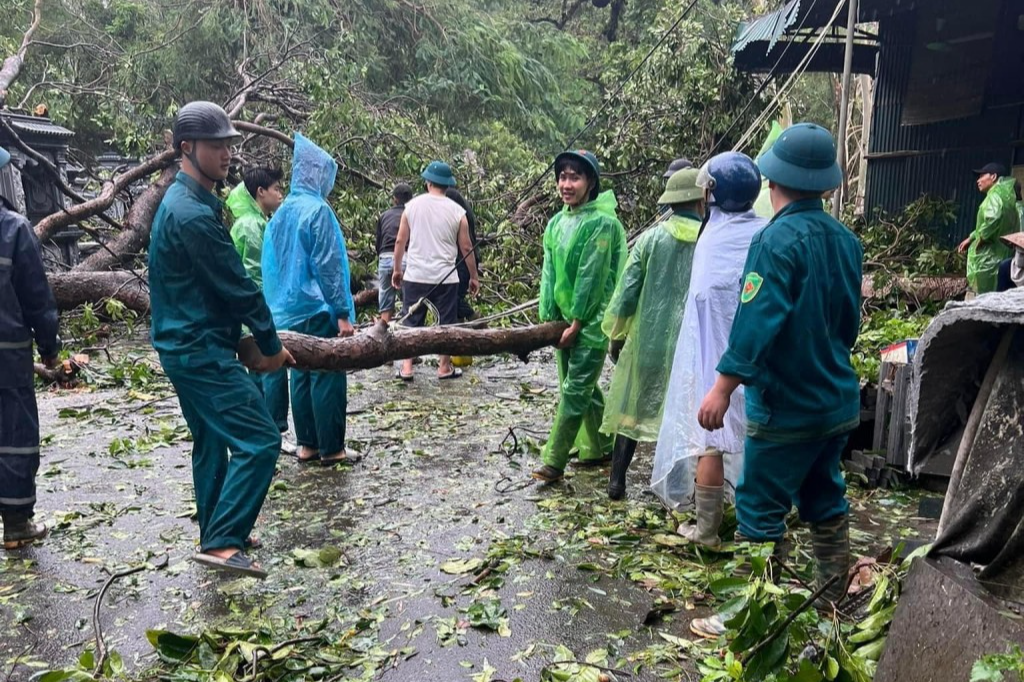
(710, 502)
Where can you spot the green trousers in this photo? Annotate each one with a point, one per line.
(580, 408)
(226, 414)
(274, 388)
(777, 476)
(319, 399)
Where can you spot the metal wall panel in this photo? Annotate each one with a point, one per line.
(936, 158)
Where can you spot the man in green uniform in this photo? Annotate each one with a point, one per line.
(997, 217)
(201, 296)
(643, 321)
(790, 344)
(251, 203)
(584, 252)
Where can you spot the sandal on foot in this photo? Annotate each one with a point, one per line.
(238, 563)
(454, 374)
(343, 458)
(404, 377)
(547, 474)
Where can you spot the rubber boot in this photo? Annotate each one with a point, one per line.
(831, 543)
(779, 551)
(710, 501)
(21, 530)
(622, 457)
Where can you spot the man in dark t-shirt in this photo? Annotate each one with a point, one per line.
(387, 233)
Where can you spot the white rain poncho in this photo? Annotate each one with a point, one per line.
(711, 303)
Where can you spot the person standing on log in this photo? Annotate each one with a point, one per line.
(584, 253)
(307, 284)
(27, 311)
(997, 217)
(201, 296)
(642, 321)
(435, 233)
(790, 346)
(251, 203)
(387, 234)
(694, 467)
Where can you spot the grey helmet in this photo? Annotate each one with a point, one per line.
(202, 121)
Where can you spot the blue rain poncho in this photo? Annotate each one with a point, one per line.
(711, 302)
(305, 263)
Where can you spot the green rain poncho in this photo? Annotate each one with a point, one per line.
(583, 256)
(584, 252)
(997, 217)
(247, 230)
(647, 311)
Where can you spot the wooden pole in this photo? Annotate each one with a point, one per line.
(844, 106)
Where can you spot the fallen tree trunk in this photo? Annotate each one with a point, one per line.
(379, 345)
(138, 225)
(365, 298)
(72, 289)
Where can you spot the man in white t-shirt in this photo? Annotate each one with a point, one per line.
(434, 233)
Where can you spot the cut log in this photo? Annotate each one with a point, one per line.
(365, 299)
(379, 345)
(138, 225)
(72, 289)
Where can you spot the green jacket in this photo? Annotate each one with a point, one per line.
(584, 252)
(997, 217)
(247, 230)
(199, 292)
(797, 321)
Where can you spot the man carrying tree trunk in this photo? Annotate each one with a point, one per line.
(27, 312)
(584, 253)
(251, 203)
(201, 296)
(790, 345)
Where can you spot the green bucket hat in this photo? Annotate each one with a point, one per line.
(682, 188)
(803, 159)
(439, 173)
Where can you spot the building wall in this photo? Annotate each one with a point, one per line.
(951, 148)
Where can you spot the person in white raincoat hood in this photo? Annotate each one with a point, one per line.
(686, 451)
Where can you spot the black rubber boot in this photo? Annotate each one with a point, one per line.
(622, 456)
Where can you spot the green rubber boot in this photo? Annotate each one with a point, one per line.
(831, 543)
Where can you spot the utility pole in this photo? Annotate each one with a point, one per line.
(844, 106)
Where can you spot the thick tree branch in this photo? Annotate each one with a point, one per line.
(49, 225)
(11, 68)
(379, 345)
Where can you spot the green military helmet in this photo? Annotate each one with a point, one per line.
(682, 188)
(803, 159)
(440, 174)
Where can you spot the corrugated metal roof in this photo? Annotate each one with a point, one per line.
(767, 28)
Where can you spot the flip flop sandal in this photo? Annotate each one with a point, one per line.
(253, 542)
(238, 564)
(547, 474)
(407, 378)
(454, 374)
(342, 459)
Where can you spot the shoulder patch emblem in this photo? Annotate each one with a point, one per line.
(751, 285)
